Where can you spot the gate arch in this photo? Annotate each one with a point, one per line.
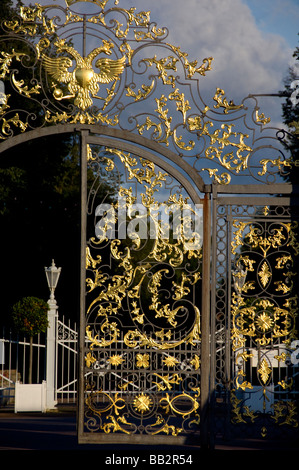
(122, 136)
(126, 142)
(141, 326)
(143, 121)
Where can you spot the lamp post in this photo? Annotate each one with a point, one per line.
(52, 275)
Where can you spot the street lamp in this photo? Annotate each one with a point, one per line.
(52, 274)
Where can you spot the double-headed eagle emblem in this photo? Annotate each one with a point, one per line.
(82, 82)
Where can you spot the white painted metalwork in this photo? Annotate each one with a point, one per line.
(66, 362)
(55, 362)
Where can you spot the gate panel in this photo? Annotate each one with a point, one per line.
(143, 291)
(255, 318)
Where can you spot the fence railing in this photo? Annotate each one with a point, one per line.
(66, 362)
(14, 362)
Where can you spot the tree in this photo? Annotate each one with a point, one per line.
(30, 316)
(290, 114)
(39, 202)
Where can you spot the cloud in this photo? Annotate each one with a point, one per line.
(246, 59)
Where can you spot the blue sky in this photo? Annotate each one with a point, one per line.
(278, 17)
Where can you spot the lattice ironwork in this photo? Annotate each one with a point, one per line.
(256, 311)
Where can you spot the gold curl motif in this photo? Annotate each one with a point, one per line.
(78, 81)
(128, 282)
(135, 338)
(170, 403)
(100, 342)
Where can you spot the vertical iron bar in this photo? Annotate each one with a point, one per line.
(213, 317)
(69, 361)
(228, 364)
(80, 398)
(75, 346)
(84, 36)
(39, 356)
(24, 361)
(17, 356)
(63, 359)
(205, 325)
(10, 359)
(2, 364)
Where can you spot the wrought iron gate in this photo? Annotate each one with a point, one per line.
(254, 310)
(142, 300)
(188, 288)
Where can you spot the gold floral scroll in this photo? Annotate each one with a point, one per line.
(264, 315)
(142, 316)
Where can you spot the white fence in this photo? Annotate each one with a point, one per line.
(66, 362)
(14, 363)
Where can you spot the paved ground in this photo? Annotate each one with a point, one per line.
(57, 432)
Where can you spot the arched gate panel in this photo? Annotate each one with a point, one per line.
(141, 317)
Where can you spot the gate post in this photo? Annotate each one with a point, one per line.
(51, 355)
(52, 274)
(205, 326)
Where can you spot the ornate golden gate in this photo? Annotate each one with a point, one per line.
(188, 291)
(254, 314)
(143, 276)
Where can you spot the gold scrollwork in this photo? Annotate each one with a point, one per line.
(285, 413)
(279, 162)
(166, 428)
(192, 67)
(141, 94)
(88, 86)
(101, 342)
(223, 103)
(167, 381)
(170, 404)
(115, 288)
(263, 325)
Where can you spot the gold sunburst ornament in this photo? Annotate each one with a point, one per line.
(83, 82)
(142, 403)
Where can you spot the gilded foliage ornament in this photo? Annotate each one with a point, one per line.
(127, 314)
(264, 315)
(112, 76)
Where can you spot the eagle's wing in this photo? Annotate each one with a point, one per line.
(58, 67)
(109, 69)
